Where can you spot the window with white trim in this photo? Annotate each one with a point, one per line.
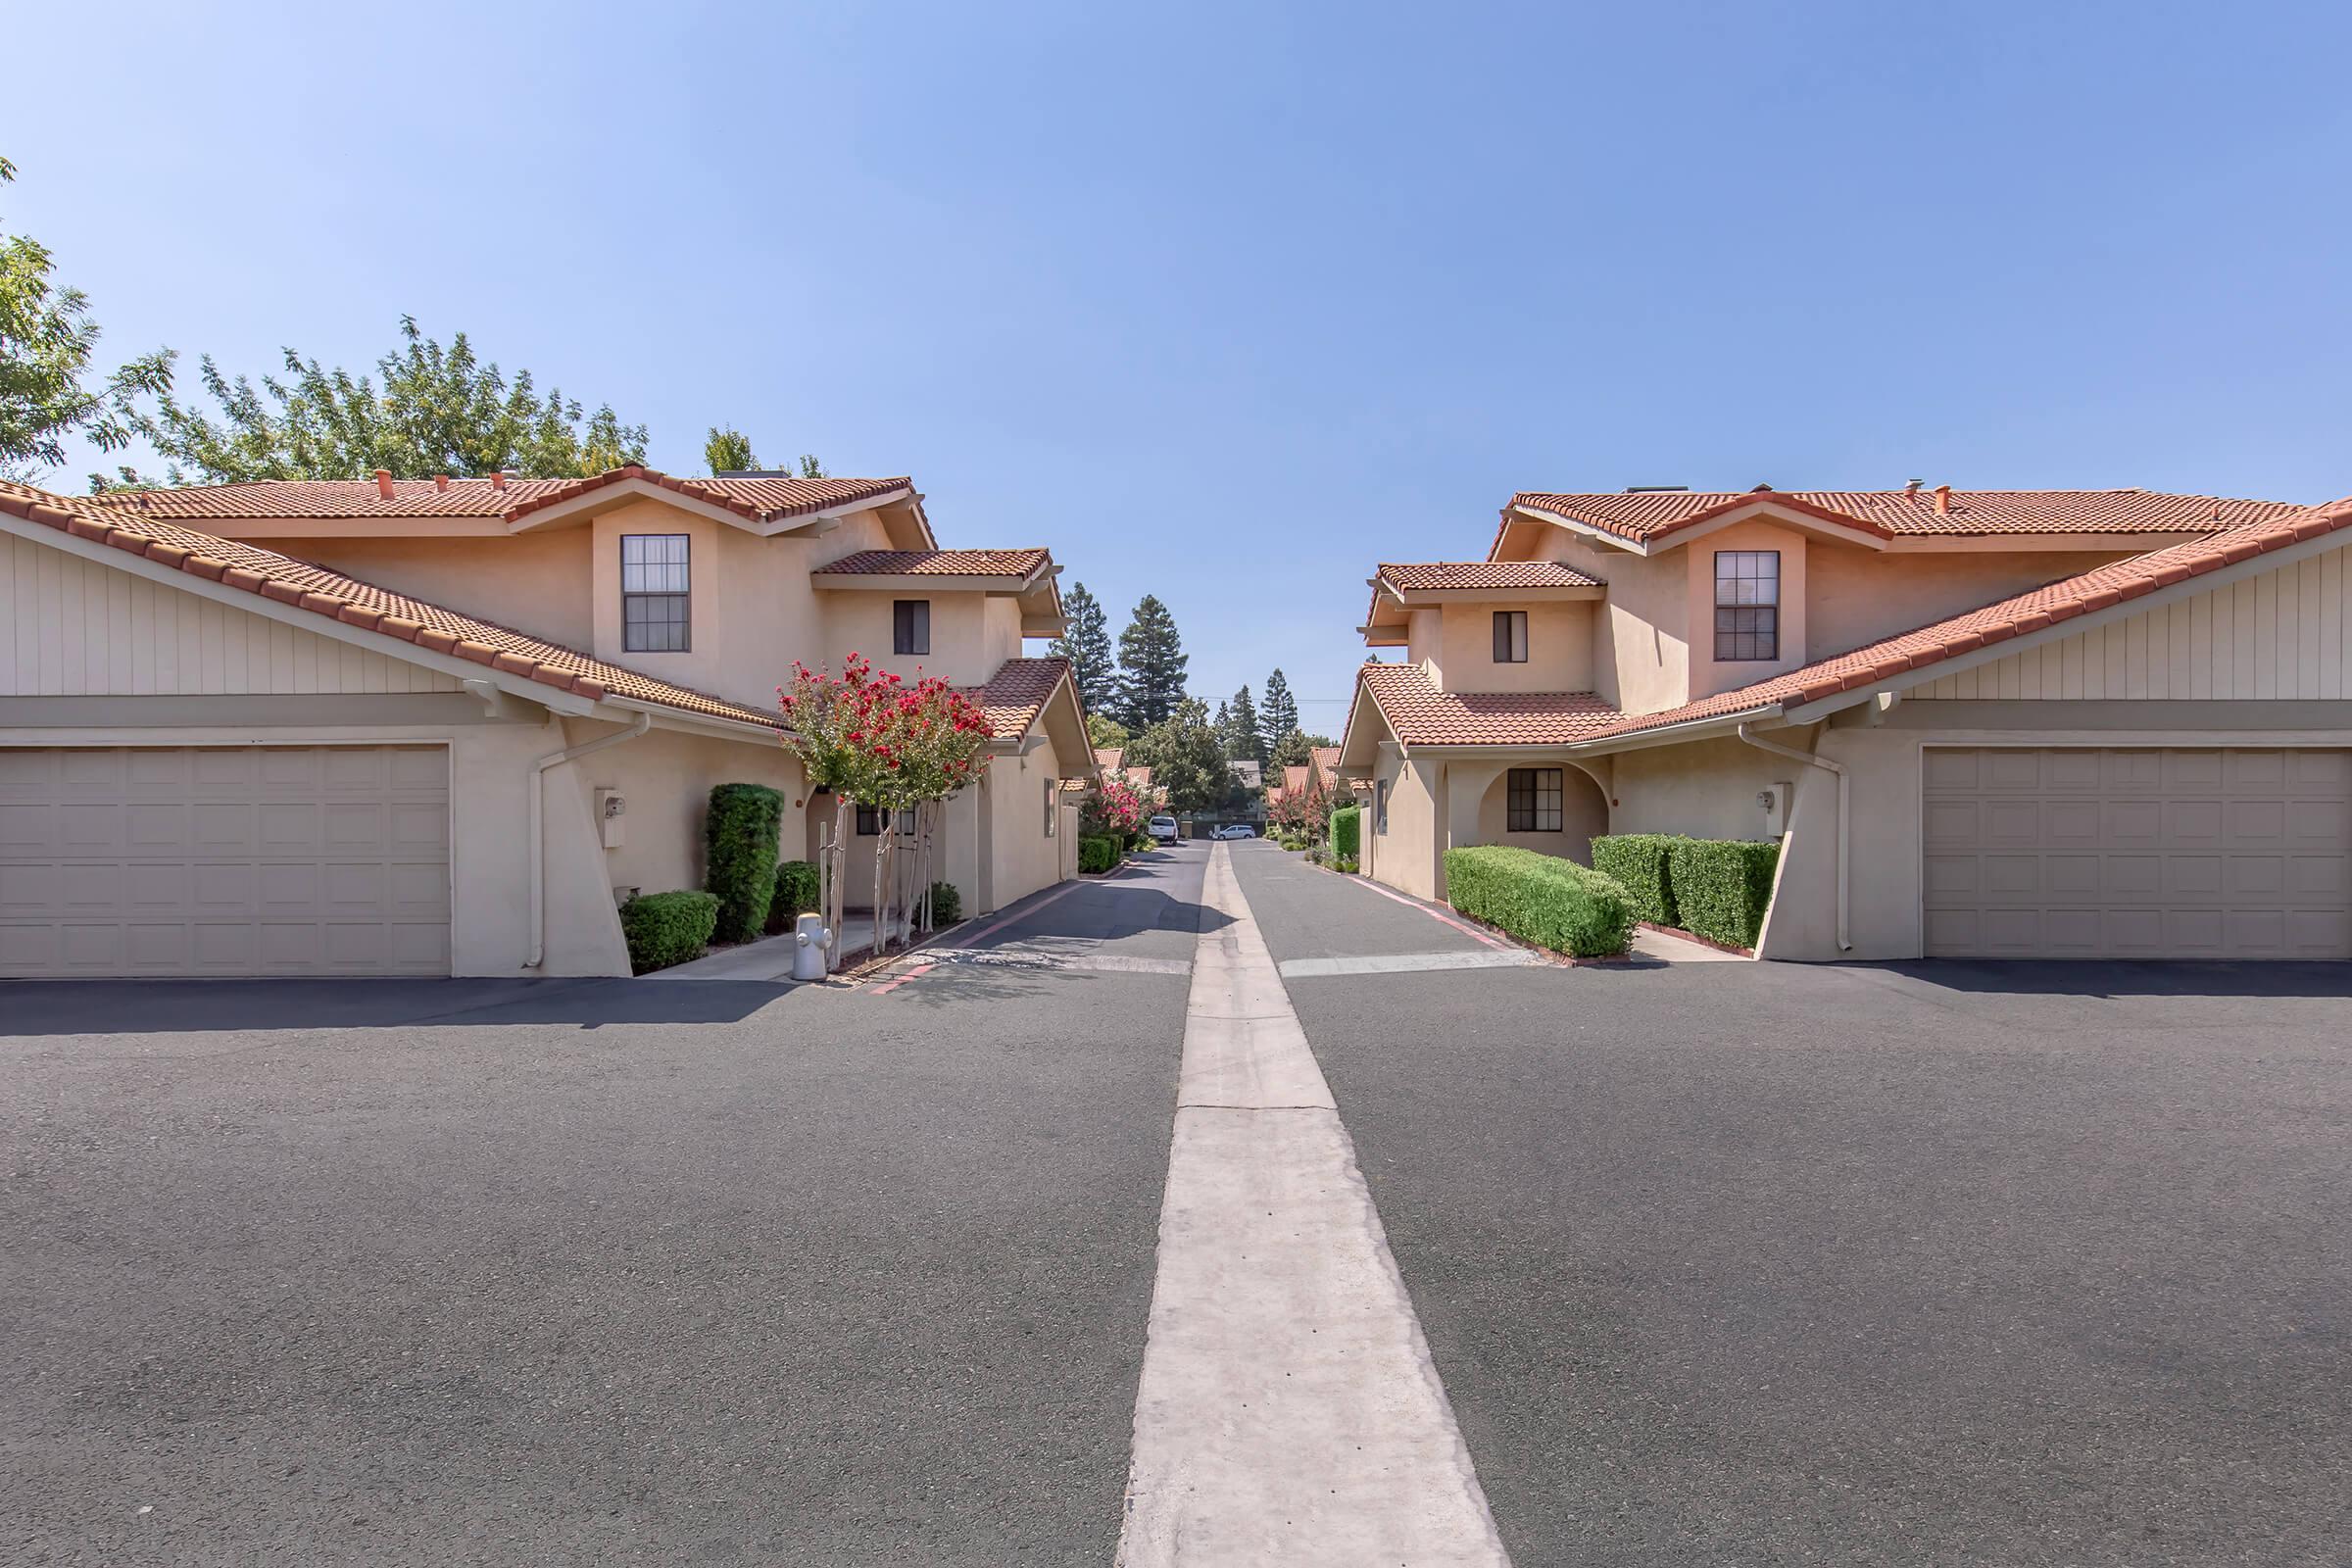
(1531, 800)
(656, 601)
(1747, 605)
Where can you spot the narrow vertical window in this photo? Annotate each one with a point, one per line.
(1747, 604)
(1380, 806)
(1532, 798)
(654, 596)
(1053, 789)
(1511, 636)
(911, 626)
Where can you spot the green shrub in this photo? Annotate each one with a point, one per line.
(739, 842)
(1542, 899)
(1097, 852)
(1346, 831)
(797, 887)
(947, 905)
(1722, 887)
(667, 928)
(1348, 866)
(1637, 860)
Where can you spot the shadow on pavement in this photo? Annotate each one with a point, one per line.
(2053, 977)
(133, 1006)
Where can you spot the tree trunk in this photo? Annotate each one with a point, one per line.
(837, 869)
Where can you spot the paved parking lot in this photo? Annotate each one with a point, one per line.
(1720, 1263)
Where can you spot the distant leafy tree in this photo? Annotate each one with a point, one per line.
(1241, 741)
(1086, 644)
(729, 449)
(811, 468)
(1152, 666)
(1277, 713)
(1104, 732)
(428, 409)
(1293, 750)
(1186, 758)
(47, 393)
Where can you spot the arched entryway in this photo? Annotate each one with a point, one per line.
(1552, 810)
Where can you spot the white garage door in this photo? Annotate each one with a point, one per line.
(2139, 854)
(245, 860)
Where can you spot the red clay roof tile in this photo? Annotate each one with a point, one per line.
(1017, 693)
(938, 564)
(1434, 574)
(1645, 516)
(760, 500)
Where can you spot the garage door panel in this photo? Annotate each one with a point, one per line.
(225, 860)
(2137, 853)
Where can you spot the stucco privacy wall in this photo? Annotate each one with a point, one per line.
(666, 777)
(76, 627)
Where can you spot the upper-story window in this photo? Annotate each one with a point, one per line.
(654, 594)
(1511, 636)
(1747, 604)
(911, 626)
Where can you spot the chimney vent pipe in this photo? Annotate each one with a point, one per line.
(384, 483)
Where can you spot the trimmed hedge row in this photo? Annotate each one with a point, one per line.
(796, 894)
(1722, 888)
(1346, 832)
(1542, 899)
(739, 841)
(667, 928)
(1097, 852)
(1715, 888)
(1637, 860)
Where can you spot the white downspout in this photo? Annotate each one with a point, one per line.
(1846, 941)
(645, 722)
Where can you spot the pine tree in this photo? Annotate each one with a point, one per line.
(1241, 742)
(1086, 644)
(1152, 664)
(1277, 714)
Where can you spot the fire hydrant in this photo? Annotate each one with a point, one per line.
(811, 943)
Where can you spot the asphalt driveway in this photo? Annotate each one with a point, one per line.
(459, 1271)
(1740, 1264)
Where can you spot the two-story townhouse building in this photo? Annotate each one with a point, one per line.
(437, 727)
(1989, 723)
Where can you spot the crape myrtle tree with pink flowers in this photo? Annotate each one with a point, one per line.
(875, 740)
(1113, 806)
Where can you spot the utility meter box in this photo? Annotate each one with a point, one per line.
(611, 810)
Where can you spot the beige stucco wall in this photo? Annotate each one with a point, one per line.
(1025, 858)
(1406, 856)
(1856, 596)
(1560, 649)
(1583, 812)
(1706, 789)
(666, 777)
(971, 634)
(1641, 655)
(537, 582)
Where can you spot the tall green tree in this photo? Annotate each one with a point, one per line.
(728, 449)
(1152, 666)
(1104, 732)
(1185, 756)
(1086, 643)
(429, 408)
(1241, 741)
(1292, 750)
(49, 391)
(1277, 713)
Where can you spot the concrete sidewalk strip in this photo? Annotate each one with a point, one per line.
(1411, 962)
(1289, 1411)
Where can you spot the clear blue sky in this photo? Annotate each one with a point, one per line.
(1230, 302)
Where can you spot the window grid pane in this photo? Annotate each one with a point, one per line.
(1534, 800)
(654, 613)
(1747, 598)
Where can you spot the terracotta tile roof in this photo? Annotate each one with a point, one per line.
(1325, 760)
(1420, 714)
(1140, 777)
(2015, 616)
(1017, 693)
(760, 500)
(330, 594)
(938, 564)
(1649, 514)
(1109, 758)
(1427, 575)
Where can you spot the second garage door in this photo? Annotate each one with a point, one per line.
(225, 860)
(2137, 853)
